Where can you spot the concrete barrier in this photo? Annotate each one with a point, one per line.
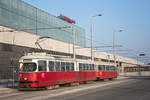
(143, 73)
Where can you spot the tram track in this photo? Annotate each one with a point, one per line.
(37, 95)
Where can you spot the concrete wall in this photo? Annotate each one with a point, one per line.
(28, 40)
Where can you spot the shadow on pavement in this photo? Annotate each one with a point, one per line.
(139, 77)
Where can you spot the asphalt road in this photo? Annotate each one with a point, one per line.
(133, 88)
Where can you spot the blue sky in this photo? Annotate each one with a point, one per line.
(132, 16)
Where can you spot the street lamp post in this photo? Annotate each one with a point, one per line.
(108, 56)
(114, 45)
(92, 17)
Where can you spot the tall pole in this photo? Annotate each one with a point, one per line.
(92, 58)
(108, 59)
(114, 48)
(91, 19)
(114, 45)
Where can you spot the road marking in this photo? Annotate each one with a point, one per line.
(40, 97)
(7, 95)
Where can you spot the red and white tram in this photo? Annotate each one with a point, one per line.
(105, 72)
(43, 70)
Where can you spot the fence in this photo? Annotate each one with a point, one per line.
(9, 78)
(136, 69)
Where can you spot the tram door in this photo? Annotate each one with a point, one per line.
(42, 69)
(76, 69)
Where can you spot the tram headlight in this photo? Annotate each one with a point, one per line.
(25, 78)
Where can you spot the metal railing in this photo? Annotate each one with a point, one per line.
(9, 78)
(136, 69)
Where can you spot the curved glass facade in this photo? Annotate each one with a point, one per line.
(20, 15)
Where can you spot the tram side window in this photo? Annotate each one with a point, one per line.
(107, 68)
(51, 66)
(80, 66)
(42, 66)
(67, 66)
(57, 66)
(72, 66)
(63, 66)
(100, 68)
(88, 68)
(84, 67)
(104, 67)
(110, 68)
(113, 68)
(92, 66)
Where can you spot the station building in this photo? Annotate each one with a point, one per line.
(21, 25)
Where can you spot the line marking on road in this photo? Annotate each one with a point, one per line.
(41, 97)
(12, 94)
